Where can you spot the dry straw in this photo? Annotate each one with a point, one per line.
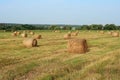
(115, 34)
(32, 33)
(74, 34)
(77, 46)
(24, 35)
(30, 42)
(67, 36)
(14, 34)
(109, 32)
(18, 33)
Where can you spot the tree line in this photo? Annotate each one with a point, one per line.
(13, 27)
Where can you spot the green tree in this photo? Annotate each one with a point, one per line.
(110, 27)
(96, 27)
(85, 27)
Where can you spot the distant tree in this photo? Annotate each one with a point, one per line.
(110, 27)
(96, 27)
(57, 28)
(78, 27)
(13, 27)
(85, 27)
(67, 27)
(52, 27)
(118, 27)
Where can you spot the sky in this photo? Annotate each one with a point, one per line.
(76, 12)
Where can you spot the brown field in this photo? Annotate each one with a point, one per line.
(51, 61)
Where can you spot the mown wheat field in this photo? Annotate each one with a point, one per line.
(51, 61)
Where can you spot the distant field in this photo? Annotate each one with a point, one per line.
(51, 61)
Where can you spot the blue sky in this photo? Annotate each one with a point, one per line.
(60, 11)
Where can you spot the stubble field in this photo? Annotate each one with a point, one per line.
(51, 61)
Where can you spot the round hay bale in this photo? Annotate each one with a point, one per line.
(32, 33)
(74, 34)
(24, 35)
(15, 31)
(55, 31)
(37, 36)
(14, 34)
(115, 34)
(109, 32)
(77, 46)
(67, 36)
(18, 33)
(30, 42)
